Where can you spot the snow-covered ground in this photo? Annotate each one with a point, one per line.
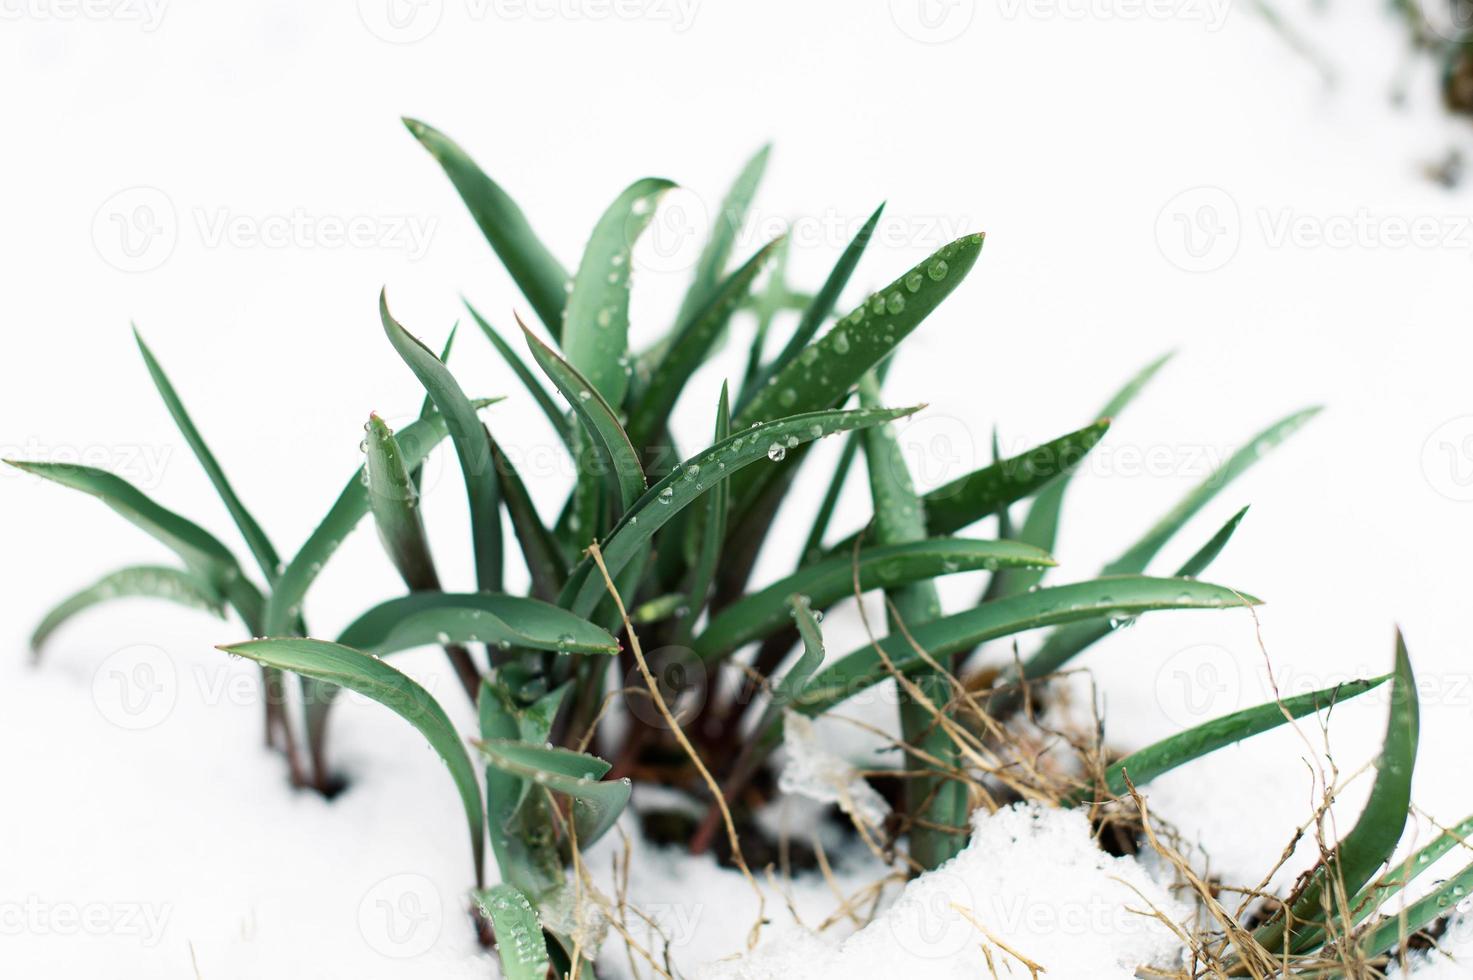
(1150, 177)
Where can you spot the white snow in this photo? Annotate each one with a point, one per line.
(1031, 888)
(813, 772)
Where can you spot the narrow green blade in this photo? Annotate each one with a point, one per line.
(711, 535)
(1140, 554)
(540, 277)
(1123, 596)
(819, 309)
(691, 479)
(1400, 875)
(395, 505)
(143, 581)
(689, 347)
(555, 415)
(1183, 747)
(1387, 935)
(727, 225)
(415, 441)
(1041, 526)
(519, 940)
(201, 551)
(595, 331)
(371, 677)
(598, 418)
(596, 803)
(760, 614)
(540, 551)
(424, 618)
(813, 548)
(260, 546)
(472, 446)
(1369, 844)
(526, 851)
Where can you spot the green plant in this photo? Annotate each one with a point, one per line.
(675, 537)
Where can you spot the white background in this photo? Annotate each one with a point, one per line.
(1086, 139)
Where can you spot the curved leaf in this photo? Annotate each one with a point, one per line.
(597, 416)
(519, 940)
(540, 277)
(689, 347)
(142, 581)
(260, 546)
(472, 446)
(817, 310)
(688, 481)
(1181, 748)
(1370, 843)
(555, 415)
(1124, 596)
(1140, 554)
(1388, 934)
(1041, 526)
(1400, 875)
(394, 502)
(415, 441)
(371, 677)
(596, 803)
(426, 618)
(595, 333)
(727, 225)
(762, 613)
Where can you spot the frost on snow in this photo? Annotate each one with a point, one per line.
(1031, 886)
(811, 771)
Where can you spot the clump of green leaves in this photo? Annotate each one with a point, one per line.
(679, 534)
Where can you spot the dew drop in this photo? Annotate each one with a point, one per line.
(937, 270)
(776, 452)
(895, 303)
(913, 281)
(667, 495)
(841, 342)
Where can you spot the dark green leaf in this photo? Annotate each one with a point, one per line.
(424, 618)
(145, 581)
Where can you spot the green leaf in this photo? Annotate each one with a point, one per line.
(375, 679)
(540, 277)
(818, 309)
(595, 332)
(596, 803)
(727, 225)
(1123, 596)
(688, 481)
(711, 534)
(555, 415)
(144, 581)
(825, 370)
(1041, 526)
(525, 850)
(760, 614)
(415, 442)
(1400, 875)
(201, 551)
(425, 618)
(937, 803)
(519, 940)
(255, 538)
(793, 683)
(813, 548)
(395, 505)
(539, 548)
(598, 418)
(1183, 747)
(1387, 935)
(689, 347)
(1140, 554)
(983, 492)
(1370, 843)
(1066, 643)
(427, 404)
(472, 446)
